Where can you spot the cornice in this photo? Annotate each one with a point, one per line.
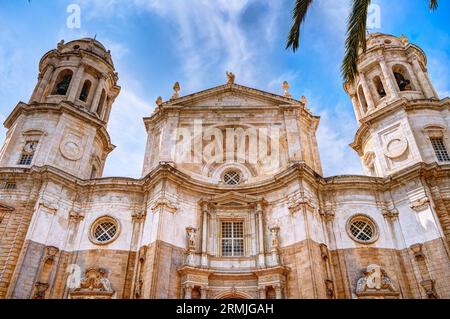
(208, 190)
(61, 108)
(399, 104)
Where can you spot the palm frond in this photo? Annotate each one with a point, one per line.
(434, 4)
(298, 17)
(356, 38)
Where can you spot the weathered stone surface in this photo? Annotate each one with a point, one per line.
(67, 233)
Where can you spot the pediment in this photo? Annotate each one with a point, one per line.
(232, 96)
(233, 199)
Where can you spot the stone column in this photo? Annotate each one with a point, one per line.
(205, 213)
(76, 82)
(260, 215)
(388, 77)
(278, 292)
(37, 96)
(204, 293)
(188, 292)
(262, 292)
(98, 93)
(423, 80)
(356, 107)
(414, 80)
(367, 93)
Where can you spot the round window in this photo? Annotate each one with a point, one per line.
(362, 229)
(232, 177)
(104, 230)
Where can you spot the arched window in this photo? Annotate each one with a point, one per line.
(63, 82)
(101, 103)
(402, 78)
(379, 86)
(85, 91)
(362, 99)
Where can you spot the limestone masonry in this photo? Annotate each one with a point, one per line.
(232, 202)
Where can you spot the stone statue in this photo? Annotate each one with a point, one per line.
(274, 235)
(231, 77)
(176, 91)
(404, 39)
(159, 101)
(286, 89)
(191, 234)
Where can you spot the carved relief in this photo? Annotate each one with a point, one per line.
(298, 201)
(94, 284)
(396, 147)
(420, 204)
(390, 214)
(71, 147)
(418, 198)
(375, 282)
(49, 206)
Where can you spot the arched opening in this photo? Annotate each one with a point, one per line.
(63, 82)
(271, 293)
(379, 87)
(84, 94)
(101, 103)
(362, 99)
(196, 293)
(402, 78)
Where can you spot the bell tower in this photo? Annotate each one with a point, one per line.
(64, 123)
(401, 119)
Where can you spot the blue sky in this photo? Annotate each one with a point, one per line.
(157, 42)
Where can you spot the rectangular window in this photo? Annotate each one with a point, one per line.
(10, 186)
(439, 149)
(232, 238)
(26, 159)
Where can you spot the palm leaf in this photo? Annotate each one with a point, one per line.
(298, 17)
(356, 38)
(434, 4)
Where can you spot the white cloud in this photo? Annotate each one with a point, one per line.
(128, 134)
(210, 37)
(439, 75)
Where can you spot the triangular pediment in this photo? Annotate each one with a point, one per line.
(234, 199)
(232, 96)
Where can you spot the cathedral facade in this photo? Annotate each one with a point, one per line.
(232, 202)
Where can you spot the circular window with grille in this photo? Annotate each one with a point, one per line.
(104, 230)
(232, 177)
(362, 229)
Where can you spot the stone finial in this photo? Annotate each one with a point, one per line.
(231, 77)
(159, 101)
(404, 39)
(286, 87)
(176, 91)
(304, 100)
